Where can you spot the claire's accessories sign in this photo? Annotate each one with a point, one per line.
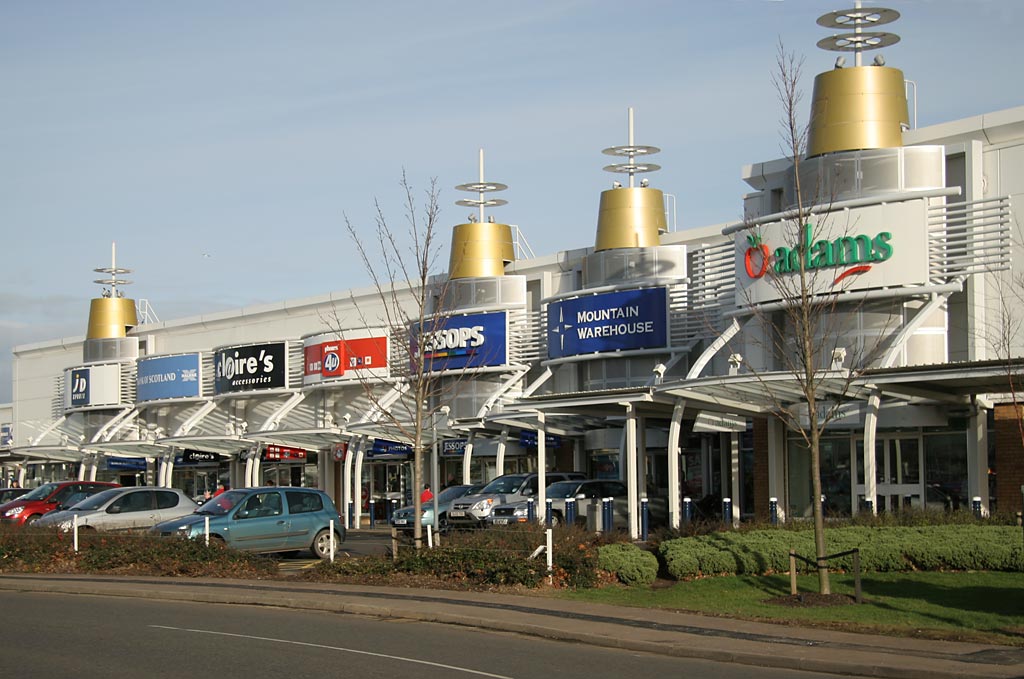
(611, 321)
(250, 368)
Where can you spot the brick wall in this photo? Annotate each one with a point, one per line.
(1009, 462)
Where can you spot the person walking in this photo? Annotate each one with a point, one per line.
(426, 496)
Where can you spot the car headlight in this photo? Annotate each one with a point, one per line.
(64, 526)
(184, 531)
(520, 511)
(484, 504)
(14, 512)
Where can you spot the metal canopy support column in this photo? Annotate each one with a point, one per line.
(631, 472)
(499, 460)
(357, 487)
(870, 436)
(977, 456)
(542, 463)
(734, 474)
(674, 487)
(467, 457)
(346, 493)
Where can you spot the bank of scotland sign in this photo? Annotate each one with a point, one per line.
(612, 321)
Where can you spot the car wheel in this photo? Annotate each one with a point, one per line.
(32, 519)
(321, 547)
(443, 526)
(556, 519)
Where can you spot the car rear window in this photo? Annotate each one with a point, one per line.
(166, 499)
(302, 503)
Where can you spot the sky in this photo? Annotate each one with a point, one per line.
(223, 144)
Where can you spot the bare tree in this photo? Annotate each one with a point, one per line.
(804, 328)
(404, 268)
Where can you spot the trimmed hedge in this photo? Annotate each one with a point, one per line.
(950, 547)
(632, 565)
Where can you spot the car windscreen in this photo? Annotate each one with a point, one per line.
(562, 489)
(503, 485)
(450, 493)
(41, 493)
(222, 504)
(99, 499)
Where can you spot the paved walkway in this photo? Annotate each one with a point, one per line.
(647, 630)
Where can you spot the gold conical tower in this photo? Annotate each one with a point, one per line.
(481, 248)
(112, 315)
(856, 107)
(630, 216)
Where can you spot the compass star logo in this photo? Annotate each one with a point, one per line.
(558, 330)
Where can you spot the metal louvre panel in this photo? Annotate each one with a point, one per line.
(57, 401)
(529, 330)
(712, 288)
(296, 357)
(209, 374)
(968, 238)
(520, 344)
(129, 372)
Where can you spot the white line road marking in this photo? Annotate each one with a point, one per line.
(335, 648)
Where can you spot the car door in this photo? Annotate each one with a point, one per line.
(304, 518)
(132, 510)
(258, 523)
(170, 505)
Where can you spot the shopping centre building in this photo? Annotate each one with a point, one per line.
(662, 358)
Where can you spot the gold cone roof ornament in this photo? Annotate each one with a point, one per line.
(481, 248)
(113, 314)
(631, 216)
(858, 107)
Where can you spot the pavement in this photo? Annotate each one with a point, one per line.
(634, 629)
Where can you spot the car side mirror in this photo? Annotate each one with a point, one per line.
(242, 514)
(581, 496)
(116, 509)
(527, 492)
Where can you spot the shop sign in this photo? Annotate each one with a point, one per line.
(453, 447)
(275, 453)
(134, 464)
(382, 448)
(464, 341)
(611, 321)
(197, 457)
(528, 439)
(351, 358)
(6, 434)
(95, 385)
(868, 247)
(339, 451)
(162, 377)
(250, 367)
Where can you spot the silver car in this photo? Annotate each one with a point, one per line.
(473, 510)
(123, 509)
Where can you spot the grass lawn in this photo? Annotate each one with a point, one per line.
(984, 606)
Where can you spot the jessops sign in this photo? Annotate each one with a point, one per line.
(250, 367)
(161, 377)
(612, 321)
(469, 341)
(875, 246)
(94, 385)
(328, 358)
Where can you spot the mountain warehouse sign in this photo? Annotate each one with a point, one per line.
(876, 246)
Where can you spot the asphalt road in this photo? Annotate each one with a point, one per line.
(90, 637)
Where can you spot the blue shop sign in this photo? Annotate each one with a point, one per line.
(132, 464)
(80, 387)
(453, 447)
(469, 341)
(163, 377)
(382, 448)
(528, 439)
(612, 321)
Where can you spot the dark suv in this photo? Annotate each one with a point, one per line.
(48, 497)
(473, 510)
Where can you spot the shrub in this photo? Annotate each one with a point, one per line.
(632, 565)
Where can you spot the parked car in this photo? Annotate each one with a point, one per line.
(403, 519)
(8, 494)
(50, 496)
(473, 510)
(588, 495)
(268, 519)
(126, 509)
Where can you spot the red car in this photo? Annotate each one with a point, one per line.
(47, 498)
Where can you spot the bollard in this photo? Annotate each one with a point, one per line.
(868, 506)
(823, 505)
(570, 512)
(74, 528)
(392, 508)
(773, 511)
(687, 510)
(645, 518)
(206, 530)
(976, 506)
(547, 512)
(727, 510)
(373, 514)
(351, 514)
(531, 510)
(608, 514)
(332, 541)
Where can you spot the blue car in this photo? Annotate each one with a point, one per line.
(264, 520)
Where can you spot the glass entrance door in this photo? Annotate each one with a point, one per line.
(898, 465)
